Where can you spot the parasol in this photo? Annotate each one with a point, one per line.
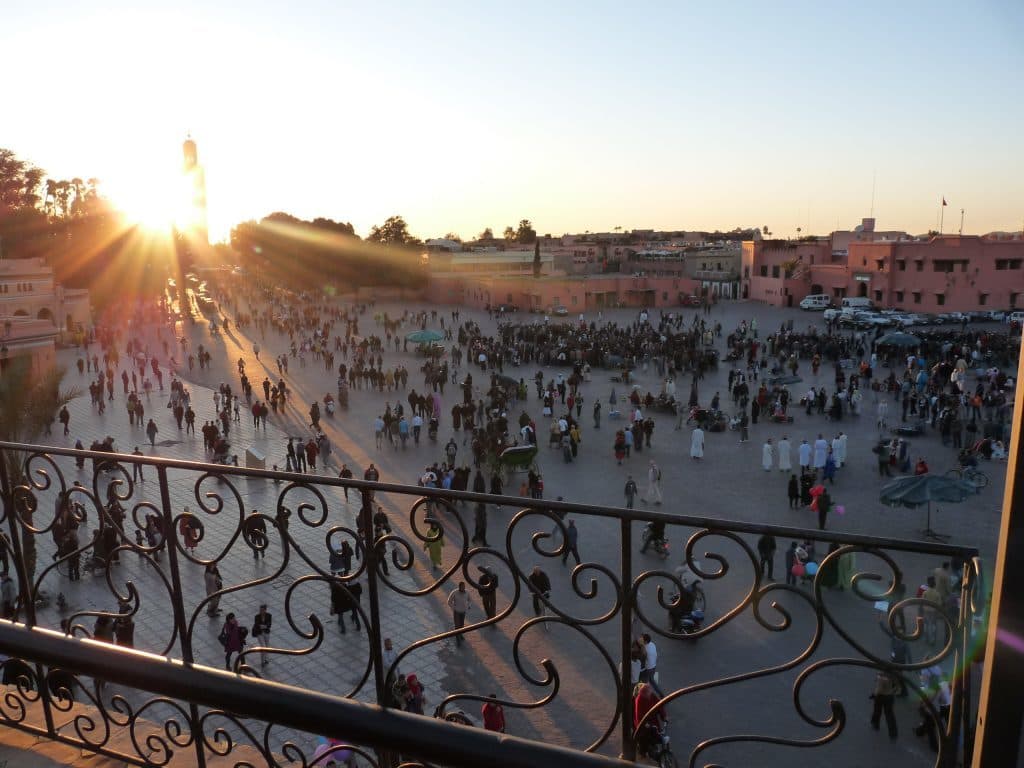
(424, 336)
(899, 339)
(921, 490)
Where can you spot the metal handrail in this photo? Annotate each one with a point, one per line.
(26, 519)
(344, 719)
(591, 510)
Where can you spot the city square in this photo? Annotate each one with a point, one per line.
(729, 482)
(407, 385)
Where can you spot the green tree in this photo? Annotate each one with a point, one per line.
(509, 234)
(394, 231)
(19, 183)
(28, 404)
(454, 236)
(536, 259)
(526, 235)
(487, 234)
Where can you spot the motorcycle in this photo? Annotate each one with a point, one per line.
(686, 611)
(658, 543)
(660, 751)
(329, 405)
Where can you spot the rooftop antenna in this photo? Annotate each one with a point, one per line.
(874, 176)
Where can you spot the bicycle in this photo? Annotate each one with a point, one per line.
(975, 477)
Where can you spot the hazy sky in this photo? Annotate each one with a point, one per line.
(577, 115)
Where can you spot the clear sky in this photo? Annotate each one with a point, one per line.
(577, 115)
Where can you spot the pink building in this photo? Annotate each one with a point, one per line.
(940, 274)
(583, 293)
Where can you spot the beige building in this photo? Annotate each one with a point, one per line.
(35, 310)
(28, 290)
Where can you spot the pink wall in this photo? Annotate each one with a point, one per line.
(574, 293)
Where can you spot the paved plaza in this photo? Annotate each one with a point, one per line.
(729, 483)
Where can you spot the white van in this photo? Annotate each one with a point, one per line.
(815, 302)
(857, 302)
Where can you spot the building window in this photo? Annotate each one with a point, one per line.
(718, 266)
(664, 295)
(764, 270)
(919, 265)
(878, 297)
(838, 292)
(880, 264)
(1013, 300)
(982, 299)
(940, 299)
(775, 270)
(899, 297)
(917, 297)
(574, 300)
(901, 265)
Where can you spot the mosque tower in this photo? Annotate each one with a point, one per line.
(196, 187)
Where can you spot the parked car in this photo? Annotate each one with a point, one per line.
(1015, 317)
(560, 310)
(831, 313)
(691, 301)
(996, 315)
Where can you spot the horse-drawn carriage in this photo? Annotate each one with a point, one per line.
(518, 458)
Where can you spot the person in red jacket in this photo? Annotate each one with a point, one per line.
(493, 714)
(644, 700)
(922, 466)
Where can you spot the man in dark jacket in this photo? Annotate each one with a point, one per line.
(261, 631)
(346, 597)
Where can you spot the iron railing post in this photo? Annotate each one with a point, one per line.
(376, 653)
(178, 601)
(626, 641)
(1001, 706)
(25, 592)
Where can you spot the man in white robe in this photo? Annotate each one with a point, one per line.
(697, 444)
(785, 460)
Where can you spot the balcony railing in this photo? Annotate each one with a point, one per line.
(167, 706)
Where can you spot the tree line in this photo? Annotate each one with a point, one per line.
(79, 234)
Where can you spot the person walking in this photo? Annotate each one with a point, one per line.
(232, 637)
(794, 492)
(767, 455)
(785, 457)
(458, 601)
(256, 535)
(697, 443)
(434, 545)
(804, 456)
(630, 491)
(493, 715)
(820, 453)
(790, 561)
(653, 491)
(261, 631)
(213, 582)
(151, 430)
(571, 543)
(766, 553)
(597, 414)
(540, 586)
(649, 673)
(488, 591)
(137, 468)
(883, 696)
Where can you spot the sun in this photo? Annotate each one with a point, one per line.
(155, 199)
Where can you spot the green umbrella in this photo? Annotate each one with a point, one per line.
(424, 337)
(899, 339)
(919, 490)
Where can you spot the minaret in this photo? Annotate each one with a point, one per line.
(197, 185)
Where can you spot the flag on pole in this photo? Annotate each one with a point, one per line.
(944, 203)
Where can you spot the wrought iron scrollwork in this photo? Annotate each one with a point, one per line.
(302, 527)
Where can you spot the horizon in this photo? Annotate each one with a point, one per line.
(578, 118)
